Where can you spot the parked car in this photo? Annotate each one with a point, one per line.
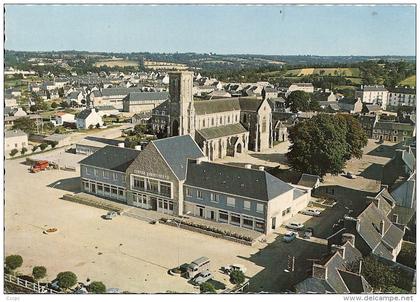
(308, 232)
(351, 176)
(202, 277)
(113, 291)
(295, 226)
(289, 236)
(311, 212)
(233, 267)
(110, 215)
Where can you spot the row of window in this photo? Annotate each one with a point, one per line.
(223, 120)
(247, 222)
(152, 185)
(103, 189)
(230, 201)
(102, 173)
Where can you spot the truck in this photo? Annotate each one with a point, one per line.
(197, 266)
(40, 165)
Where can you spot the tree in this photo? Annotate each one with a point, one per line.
(54, 105)
(139, 129)
(13, 262)
(237, 277)
(39, 272)
(407, 255)
(23, 151)
(13, 152)
(314, 105)
(33, 108)
(43, 146)
(298, 101)
(64, 104)
(90, 127)
(25, 124)
(98, 126)
(207, 287)
(355, 136)
(67, 279)
(377, 274)
(312, 151)
(96, 287)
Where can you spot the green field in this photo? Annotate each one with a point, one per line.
(410, 81)
(347, 72)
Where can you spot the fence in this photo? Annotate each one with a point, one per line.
(35, 287)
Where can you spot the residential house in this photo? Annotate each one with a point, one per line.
(14, 111)
(60, 139)
(374, 95)
(402, 97)
(88, 118)
(14, 139)
(107, 110)
(75, 97)
(306, 87)
(350, 105)
(269, 93)
(399, 174)
(10, 100)
(141, 118)
(143, 101)
(337, 273)
(63, 117)
(392, 131)
(375, 233)
(111, 96)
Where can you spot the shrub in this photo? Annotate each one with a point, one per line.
(34, 148)
(43, 146)
(13, 262)
(237, 277)
(97, 125)
(54, 105)
(66, 279)
(90, 127)
(96, 287)
(23, 151)
(13, 152)
(53, 144)
(39, 272)
(207, 287)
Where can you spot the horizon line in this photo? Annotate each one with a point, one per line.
(213, 53)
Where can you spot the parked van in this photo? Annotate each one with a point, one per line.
(197, 266)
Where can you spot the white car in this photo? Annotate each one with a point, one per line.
(295, 226)
(202, 277)
(289, 236)
(311, 212)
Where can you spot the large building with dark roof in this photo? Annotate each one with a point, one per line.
(220, 127)
(173, 176)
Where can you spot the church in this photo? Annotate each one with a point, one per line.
(221, 127)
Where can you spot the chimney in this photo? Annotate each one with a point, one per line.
(248, 166)
(395, 218)
(347, 237)
(382, 227)
(137, 147)
(340, 249)
(319, 272)
(121, 145)
(261, 168)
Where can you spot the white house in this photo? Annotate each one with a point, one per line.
(306, 87)
(75, 96)
(15, 139)
(374, 95)
(88, 117)
(63, 117)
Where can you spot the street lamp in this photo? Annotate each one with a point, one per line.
(179, 227)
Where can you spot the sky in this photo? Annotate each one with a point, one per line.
(236, 29)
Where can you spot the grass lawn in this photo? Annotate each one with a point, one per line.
(410, 81)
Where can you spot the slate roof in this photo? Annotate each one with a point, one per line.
(14, 133)
(394, 126)
(356, 283)
(56, 137)
(146, 96)
(214, 106)
(249, 183)
(250, 104)
(119, 91)
(176, 151)
(308, 180)
(369, 229)
(84, 114)
(105, 107)
(374, 88)
(111, 158)
(221, 131)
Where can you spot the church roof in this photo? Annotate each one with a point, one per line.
(221, 131)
